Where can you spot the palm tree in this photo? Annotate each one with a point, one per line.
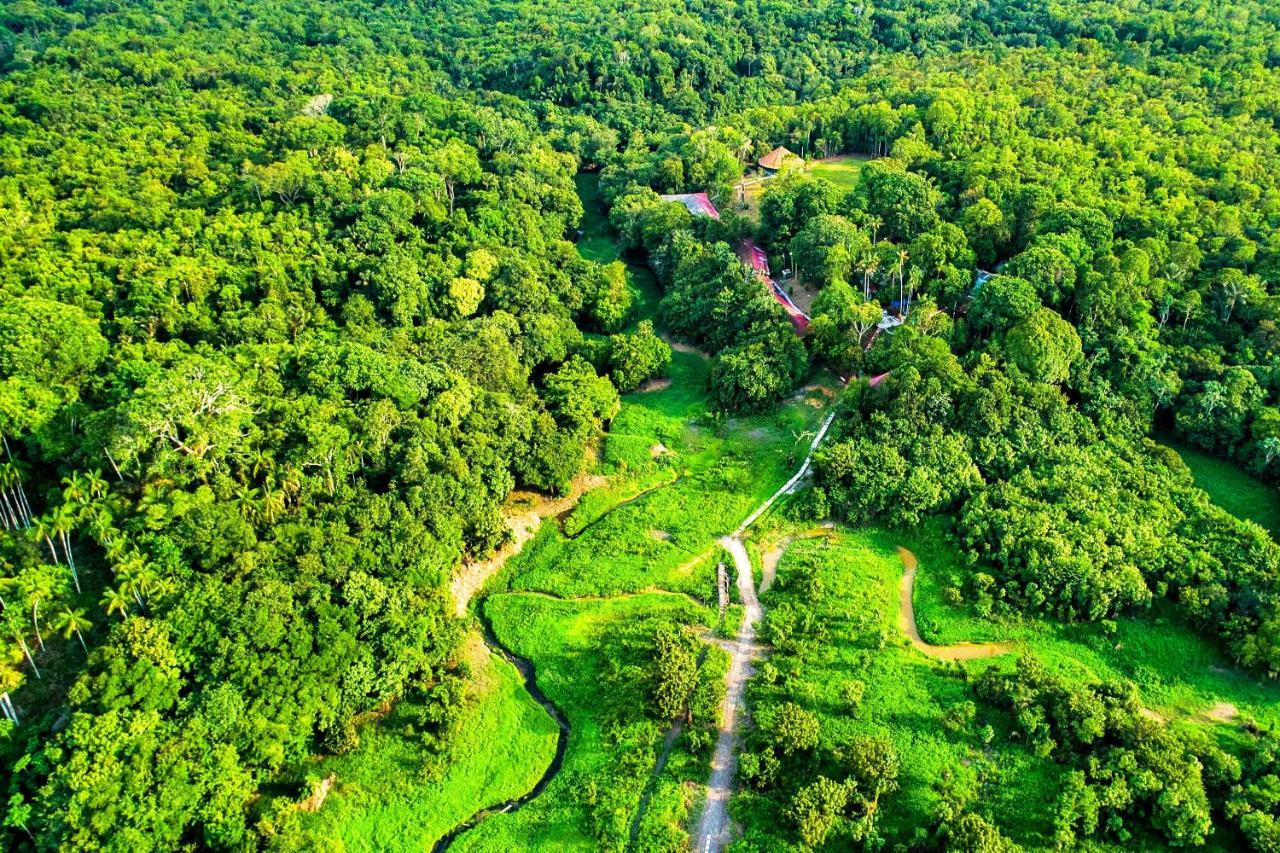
(262, 461)
(870, 266)
(102, 526)
(134, 577)
(21, 493)
(35, 586)
(14, 625)
(96, 484)
(272, 505)
(43, 532)
(76, 489)
(63, 523)
(898, 269)
(115, 601)
(1270, 446)
(74, 622)
(10, 680)
(247, 501)
(10, 508)
(913, 282)
(874, 222)
(114, 549)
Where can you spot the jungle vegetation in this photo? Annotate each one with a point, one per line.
(290, 305)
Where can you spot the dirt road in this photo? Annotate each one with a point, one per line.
(907, 622)
(714, 827)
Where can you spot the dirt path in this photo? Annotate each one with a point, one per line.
(714, 827)
(471, 576)
(680, 346)
(769, 559)
(907, 622)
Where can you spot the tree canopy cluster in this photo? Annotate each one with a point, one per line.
(277, 338)
(289, 305)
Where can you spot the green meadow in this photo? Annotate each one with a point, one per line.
(842, 171)
(579, 651)
(923, 706)
(395, 793)
(1233, 489)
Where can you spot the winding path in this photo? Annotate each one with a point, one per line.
(907, 622)
(714, 827)
(769, 559)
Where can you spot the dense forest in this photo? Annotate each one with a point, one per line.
(290, 306)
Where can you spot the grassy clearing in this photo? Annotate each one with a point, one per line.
(394, 793)
(1182, 675)
(661, 539)
(612, 745)
(1233, 489)
(913, 701)
(907, 697)
(842, 171)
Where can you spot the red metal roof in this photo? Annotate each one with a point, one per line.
(755, 259)
(696, 203)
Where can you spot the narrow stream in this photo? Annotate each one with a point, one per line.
(529, 674)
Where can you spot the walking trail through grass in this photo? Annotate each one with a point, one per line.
(769, 559)
(713, 826)
(907, 621)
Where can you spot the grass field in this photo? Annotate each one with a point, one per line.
(907, 697)
(611, 746)
(842, 171)
(1233, 489)
(1182, 678)
(1182, 674)
(394, 794)
(725, 470)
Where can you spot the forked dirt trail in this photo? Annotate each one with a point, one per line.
(714, 827)
(907, 622)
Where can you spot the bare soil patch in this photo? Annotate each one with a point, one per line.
(318, 794)
(680, 346)
(1223, 712)
(660, 384)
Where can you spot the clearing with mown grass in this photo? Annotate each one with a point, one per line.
(839, 653)
(842, 171)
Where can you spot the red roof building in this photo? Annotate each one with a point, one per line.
(696, 203)
(755, 259)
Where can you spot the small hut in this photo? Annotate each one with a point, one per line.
(775, 159)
